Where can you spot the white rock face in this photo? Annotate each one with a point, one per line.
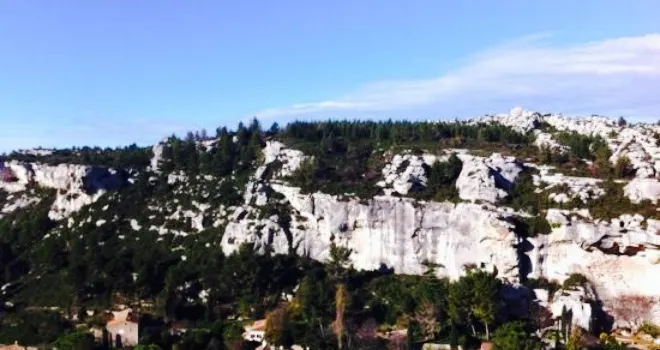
(575, 302)
(70, 181)
(546, 140)
(389, 231)
(639, 143)
(17, 201)
(196, 216)
(518, 119)
(594, 125)
(290, 159)
(619, 258)
(157, 151)
(566, 188)
(406, 171)
(486, 179)
(639, 190)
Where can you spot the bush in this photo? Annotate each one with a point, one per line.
(575, 280)
(32, 328)
(609, 342)
(615, 203)
(514, 336)
(650, 329)
(526, 227)
(523, 196)
(543, 283)
(232, 334)
(78, 340)
(441, 184)
(623, 168)
(582, 146)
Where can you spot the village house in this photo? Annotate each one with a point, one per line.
(15, 346)
(255, 332)
(122, 330)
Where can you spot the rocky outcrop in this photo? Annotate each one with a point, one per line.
(639, 143)
(157, 157)
(289, 159)
(619, 257)
(486, 179)
(545, 140)
(388, 232)
(406, 171)
(405, 235)
(566, 188)
(518, 119)
(576, 303)
(639, 190)
(76, 185)
(17, 201)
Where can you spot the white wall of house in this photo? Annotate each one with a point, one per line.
(124, 333)
(256, 336)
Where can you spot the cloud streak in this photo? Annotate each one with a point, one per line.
(610, 77)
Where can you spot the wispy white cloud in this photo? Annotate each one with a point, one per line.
(610, 77)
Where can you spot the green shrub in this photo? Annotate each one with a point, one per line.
(514, 336)
(615, 203)
(32, 328)
(650, 329)
(531, 226)
(581, 146)
(575, 280)
(78, 340)
(543, 283)
(441, 184)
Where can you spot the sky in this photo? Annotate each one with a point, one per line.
(116, 72)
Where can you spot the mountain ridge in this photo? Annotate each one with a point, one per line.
(530, 196)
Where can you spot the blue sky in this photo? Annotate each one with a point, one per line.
(116, 72)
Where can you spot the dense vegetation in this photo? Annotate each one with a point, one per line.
(347, 156)
(131, 157)
(53, 273)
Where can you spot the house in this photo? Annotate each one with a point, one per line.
(255, 332)
(15, 346)
(177, 329)
(432, 346)
(122, 330)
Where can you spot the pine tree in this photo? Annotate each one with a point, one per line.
(274, 129)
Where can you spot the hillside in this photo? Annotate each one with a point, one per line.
(200, 230)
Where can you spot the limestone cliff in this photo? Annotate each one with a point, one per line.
(76, 185)
(620, 256)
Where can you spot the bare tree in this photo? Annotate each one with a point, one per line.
(367, 333)
(426, 317)
(341, 302)
(368, 329)
(278, 327)
(396, 342)
(632, 309)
